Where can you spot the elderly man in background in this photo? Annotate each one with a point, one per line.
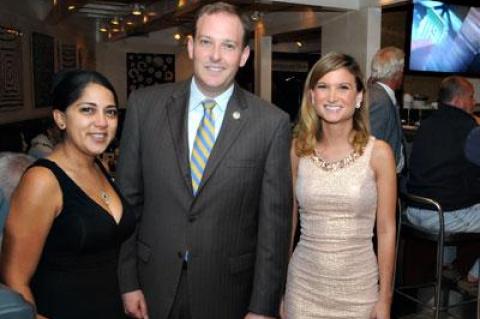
(12, 166)
(386, 77)
(439, 167)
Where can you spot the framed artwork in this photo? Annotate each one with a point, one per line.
(145, 69)
(43, 56)
(11, 69)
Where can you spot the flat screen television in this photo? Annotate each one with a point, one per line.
(444, 38)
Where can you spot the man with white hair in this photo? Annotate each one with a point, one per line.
(386, 77)
(12, 166)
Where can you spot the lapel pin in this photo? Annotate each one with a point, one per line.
(236, 115)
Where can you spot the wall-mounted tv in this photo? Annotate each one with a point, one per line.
(445, 37)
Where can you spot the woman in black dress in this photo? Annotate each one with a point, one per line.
(67, 219)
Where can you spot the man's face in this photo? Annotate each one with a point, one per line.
(468, 100)
(398, 80)
(217, 52)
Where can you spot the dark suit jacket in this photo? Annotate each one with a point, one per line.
(237, 228)
(384, 119)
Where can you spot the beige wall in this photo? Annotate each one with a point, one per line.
(111, 60)
(355, 33)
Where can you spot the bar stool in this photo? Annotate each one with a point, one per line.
(406, 229)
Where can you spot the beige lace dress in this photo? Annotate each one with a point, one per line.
(333, 272)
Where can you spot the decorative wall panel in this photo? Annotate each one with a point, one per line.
(43, 56)
(68, 56)
(145, 69)
(11, 69)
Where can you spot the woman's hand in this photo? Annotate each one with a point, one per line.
(381, 310)
(281, 311)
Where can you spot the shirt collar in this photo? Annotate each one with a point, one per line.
(197, 97)
(390, 92)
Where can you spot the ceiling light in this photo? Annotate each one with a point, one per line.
(177, 36)
(115, 21)
(103, 29)
(299, 44)
(137, 9)
(70, 8)
(115, 30)
(129, 22)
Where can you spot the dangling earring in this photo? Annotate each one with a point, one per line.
(358, 105)
(61, 126)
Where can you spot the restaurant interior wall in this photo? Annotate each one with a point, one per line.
(27, 16)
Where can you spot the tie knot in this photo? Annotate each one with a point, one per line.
(209, 104)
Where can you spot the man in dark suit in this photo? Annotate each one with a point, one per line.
(211, 184)
(386, 77)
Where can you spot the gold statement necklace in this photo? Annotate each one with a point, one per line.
(334, 165)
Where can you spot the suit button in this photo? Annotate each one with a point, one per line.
(191, 219)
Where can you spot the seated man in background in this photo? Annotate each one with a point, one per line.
(439, 168)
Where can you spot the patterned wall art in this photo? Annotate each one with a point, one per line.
(68, 56)
(11, 69)
(145, 69)
(43, 55)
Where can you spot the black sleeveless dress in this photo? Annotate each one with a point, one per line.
(77, 273)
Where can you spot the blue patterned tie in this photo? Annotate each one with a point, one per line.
(203, 144)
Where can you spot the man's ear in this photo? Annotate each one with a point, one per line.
(190, 46)
(245, 55)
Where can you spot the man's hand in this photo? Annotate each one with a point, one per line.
(251, 315)
(135, 305)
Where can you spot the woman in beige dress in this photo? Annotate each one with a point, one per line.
(344, 182)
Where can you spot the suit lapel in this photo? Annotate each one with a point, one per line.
(235, 118)
(177, 122)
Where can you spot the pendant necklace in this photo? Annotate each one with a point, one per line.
(105, 197)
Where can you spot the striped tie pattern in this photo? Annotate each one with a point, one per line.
(203, 144)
